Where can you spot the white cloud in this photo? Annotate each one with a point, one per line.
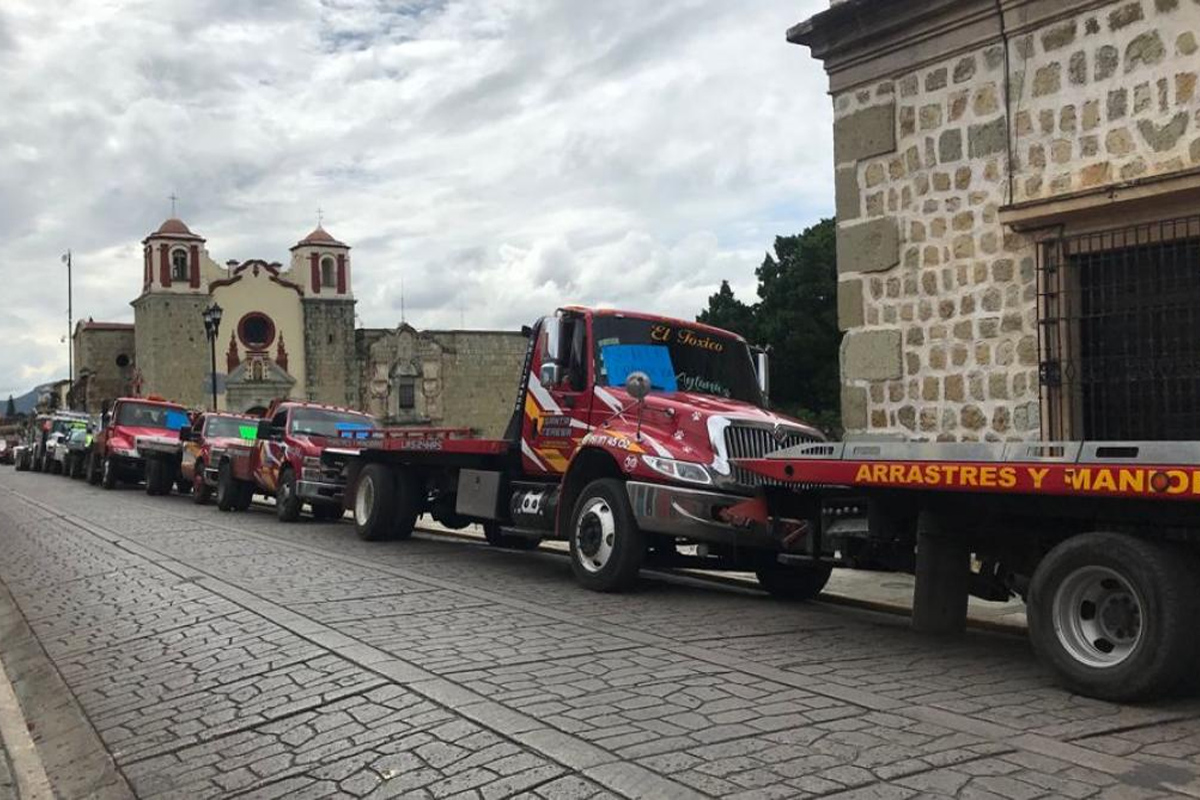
(498, 157)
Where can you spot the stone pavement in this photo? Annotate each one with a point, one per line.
(8, 784)
(221, 654)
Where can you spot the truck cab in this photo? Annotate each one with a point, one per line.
(137, 432)
(208, 431)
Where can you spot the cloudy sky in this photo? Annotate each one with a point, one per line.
(498, 157)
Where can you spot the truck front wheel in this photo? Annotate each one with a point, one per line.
(287, 502)
(229, 491)
(153, 476)
(792, 583)
(108, 473)
(607, 547)
(201, 491)
(1114, 615)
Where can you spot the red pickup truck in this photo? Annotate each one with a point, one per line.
(623, 442)
(285, 460)
(208, 431)
(138, 440)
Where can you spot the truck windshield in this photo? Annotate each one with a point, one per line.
(677, 358)
(145, 415)
(325, 422)
(231, 428)
(67, 425)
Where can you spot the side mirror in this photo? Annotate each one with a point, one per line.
(185, 433)
(638, 385)
(264, 429)
(551, 374)
(762, 366)
(553, 329)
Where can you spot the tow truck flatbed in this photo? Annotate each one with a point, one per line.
(1142, 470)
(1096, 537)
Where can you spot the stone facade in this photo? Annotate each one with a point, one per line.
(954, 155)
(104, 353)
(329, 354)
(462, 379)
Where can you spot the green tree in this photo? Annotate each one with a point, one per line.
(10, 410)
(796, 316)
(727, 312)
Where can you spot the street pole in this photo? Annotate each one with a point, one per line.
(212, 326)
(212, 348)
(70, 337)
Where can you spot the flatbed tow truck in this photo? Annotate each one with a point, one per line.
(620, 443)
(1101, 540)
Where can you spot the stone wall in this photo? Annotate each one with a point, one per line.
(938, 298)
(463, 378)
(106, 356)
(172, 352)
(329, 352)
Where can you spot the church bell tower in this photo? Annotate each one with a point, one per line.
(321, 264)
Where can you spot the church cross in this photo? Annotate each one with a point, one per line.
(172, 198)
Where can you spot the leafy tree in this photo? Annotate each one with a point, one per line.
(796, 316)
(10, 410)
(727, 312)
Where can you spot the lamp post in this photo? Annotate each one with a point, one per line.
(212, 326)
(66, 259)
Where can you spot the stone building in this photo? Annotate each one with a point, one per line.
(287, 332)
(104, 361)
(442, 378)
(1018, 239)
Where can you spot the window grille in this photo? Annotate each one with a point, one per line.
(406, 393)
(1120, 333)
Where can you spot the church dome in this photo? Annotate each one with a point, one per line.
(174, 227)
(319, 237)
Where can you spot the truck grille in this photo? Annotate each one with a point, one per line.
(751, 441)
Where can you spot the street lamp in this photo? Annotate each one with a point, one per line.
(66, 259)
(212, 326)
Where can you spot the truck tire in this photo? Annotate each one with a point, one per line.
(1114, 615)
(792, 582)
(77, 462)
(228, 490)
(201, 491)
(387, 503)
(374, 503)
(244, 497)
(153, 476)
(287, 502)
(92, 469)
(108, 473)
(607, 547)
(497, 538)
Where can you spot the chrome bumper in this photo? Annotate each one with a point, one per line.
(320, 491)
(691, 514)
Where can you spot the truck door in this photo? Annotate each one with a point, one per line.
(558, 403)
(272, 453)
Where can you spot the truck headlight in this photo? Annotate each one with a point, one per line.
(688, 471)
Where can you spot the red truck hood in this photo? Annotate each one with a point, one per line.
(683, 425)
(126, 436)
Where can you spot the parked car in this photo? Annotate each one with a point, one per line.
(55, 447)
(78, 445)
(6, 451)
(209, 431)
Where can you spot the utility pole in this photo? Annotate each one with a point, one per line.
(66, 259)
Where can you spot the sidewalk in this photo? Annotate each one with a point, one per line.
(8, 786)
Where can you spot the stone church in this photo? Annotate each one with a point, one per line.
(287, 331)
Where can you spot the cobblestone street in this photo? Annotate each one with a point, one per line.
(214, 654)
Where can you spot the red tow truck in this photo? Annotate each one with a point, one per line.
(138, 440)
(1100, 539)
(623, 442)
(284, 461)
(208, 431)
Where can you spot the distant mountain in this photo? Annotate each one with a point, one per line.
(26, 402)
